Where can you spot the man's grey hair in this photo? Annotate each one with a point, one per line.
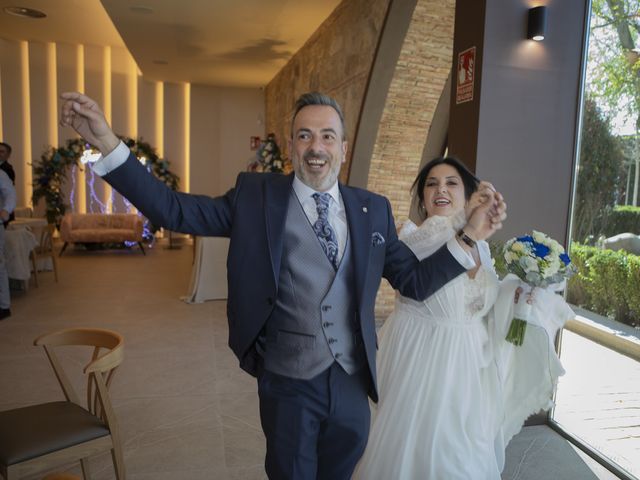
(317, 98)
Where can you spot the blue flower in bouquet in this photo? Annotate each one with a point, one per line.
(526, 239)
(541, 250)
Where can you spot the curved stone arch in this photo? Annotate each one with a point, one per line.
(404, 117)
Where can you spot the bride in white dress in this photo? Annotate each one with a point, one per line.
(452, 390)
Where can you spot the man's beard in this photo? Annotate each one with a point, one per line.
(313, 181)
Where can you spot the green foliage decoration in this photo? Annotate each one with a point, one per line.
(497, 247)
(51, 170)
(159, 166)
(50, 175)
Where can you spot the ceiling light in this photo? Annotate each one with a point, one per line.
(25, 12)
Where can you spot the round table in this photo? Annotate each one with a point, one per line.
(31, 223)
(18, 243)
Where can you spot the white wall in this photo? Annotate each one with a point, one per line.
(529, 113)
(222, 122)
(203, 131)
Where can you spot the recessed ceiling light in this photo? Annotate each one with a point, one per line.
(161, 62)
(141, 9)
(25, 12)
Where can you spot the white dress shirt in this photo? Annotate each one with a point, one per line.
(337, 216)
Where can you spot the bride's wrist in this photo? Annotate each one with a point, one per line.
(468, 236)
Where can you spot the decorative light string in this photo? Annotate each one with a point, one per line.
(73, 188)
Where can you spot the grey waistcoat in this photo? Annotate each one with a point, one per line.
(314, 321)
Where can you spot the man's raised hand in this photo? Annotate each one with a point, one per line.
(84, 115)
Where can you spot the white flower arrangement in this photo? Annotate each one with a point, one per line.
(268, 157)
(540, 262)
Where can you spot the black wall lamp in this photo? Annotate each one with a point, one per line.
(537, 24)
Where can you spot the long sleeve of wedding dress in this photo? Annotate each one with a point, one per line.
(528, 372)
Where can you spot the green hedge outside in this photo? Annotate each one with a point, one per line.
(621, 219)
(607, 282)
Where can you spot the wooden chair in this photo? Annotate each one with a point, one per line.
(37, 438)
(44, 250)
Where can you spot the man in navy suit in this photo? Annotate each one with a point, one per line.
(305, 261)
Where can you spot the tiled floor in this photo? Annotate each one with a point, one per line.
(185, 408)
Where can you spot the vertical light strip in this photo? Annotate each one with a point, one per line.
(106, 95)
(81, 183)
(159, 119)
(52, 94)
(132, 80)
(106, 82)
(26, 126)
(187, 138)
(80, 68)
(132, 87)
(1, 132)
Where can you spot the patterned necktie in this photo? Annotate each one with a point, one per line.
(324, 232)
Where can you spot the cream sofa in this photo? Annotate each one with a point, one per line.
(101, 228)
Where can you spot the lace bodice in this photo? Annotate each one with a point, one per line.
(462, 300)
(474, 292)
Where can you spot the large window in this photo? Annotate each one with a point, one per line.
(598, 400)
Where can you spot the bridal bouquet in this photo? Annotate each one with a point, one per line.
(540, 262)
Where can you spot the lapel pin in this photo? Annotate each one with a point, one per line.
(364, 209)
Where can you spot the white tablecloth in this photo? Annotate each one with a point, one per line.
(209, 272)
(35, 225)
(17, 246)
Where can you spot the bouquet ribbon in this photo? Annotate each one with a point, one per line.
(535, 307)
(521, 315)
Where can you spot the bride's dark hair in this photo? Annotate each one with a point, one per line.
(469, 180)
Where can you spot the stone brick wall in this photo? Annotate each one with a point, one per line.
(419, 78)
(336, 60)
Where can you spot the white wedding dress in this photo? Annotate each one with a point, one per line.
(452, 390)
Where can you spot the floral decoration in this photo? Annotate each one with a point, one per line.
(51, 170)
(269, 159)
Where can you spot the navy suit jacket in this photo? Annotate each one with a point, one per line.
(252, 215)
